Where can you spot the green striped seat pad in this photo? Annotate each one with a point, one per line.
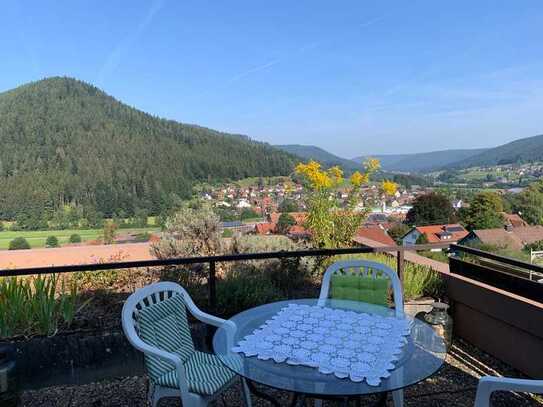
(165, 326)
(360, 288)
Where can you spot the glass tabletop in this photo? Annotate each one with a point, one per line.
(421, 357)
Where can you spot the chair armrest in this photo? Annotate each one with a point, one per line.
(201, 315)
(489, 384)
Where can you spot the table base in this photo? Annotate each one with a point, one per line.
(298, 399)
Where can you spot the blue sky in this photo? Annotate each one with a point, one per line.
(353, 77)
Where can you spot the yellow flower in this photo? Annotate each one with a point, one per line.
(389, 187)
(357, 179)
(337, 174)
(372, 165)
(319, 179)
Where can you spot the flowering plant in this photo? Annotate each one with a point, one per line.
(334, 223)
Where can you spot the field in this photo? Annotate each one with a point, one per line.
(36, 239)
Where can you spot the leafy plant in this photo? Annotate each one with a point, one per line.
(51, 241)
(75, 238)
(241, 290)
(36, 305)
(110, 231)
(19, 243)
(332, 223)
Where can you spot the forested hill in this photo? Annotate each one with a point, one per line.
(64, 141)
(422, 162)
(520, 151)
(320, 155)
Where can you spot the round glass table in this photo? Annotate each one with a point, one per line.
(421, 356)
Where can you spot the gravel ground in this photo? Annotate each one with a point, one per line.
(453, 385)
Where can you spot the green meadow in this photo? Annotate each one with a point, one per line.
(36, 239)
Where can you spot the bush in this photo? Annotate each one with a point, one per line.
(19, 243)
(288, 274)
(242, 290)
(75, 238)
(227, 233)
(51, 241)
(1, 226)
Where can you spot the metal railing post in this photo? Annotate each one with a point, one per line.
(212, 286)
(400, 264)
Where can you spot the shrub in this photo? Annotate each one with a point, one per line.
(227, 233)
(110, 232)
(189, 232)
(242, 290)
(284, 223)
(1, 226)
(288, 274)
(51, 241)
(75, 238)
(19, 243)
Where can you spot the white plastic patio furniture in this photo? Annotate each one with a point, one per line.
(489, 384)
(366, 269)
(154, 320)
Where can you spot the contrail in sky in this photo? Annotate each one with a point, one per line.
(113, 60)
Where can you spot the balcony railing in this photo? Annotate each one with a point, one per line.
(399, 252)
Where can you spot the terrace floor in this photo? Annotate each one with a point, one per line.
(453, 385)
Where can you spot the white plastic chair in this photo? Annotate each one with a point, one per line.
(489, 384)
(366, 268)
(363, 268)
(179, 376)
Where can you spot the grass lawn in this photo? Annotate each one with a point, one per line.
(36, 239)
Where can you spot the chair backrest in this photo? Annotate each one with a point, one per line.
(363, 269)
(156, 314)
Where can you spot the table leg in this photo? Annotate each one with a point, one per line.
(298, 400)
(262, 395)
(382, 402)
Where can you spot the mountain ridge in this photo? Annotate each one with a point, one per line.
(65, 141)
(527, 149)
(421, 162)
(310, 152)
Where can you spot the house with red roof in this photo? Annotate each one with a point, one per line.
(450, 233)
(367, 234)
(265, 228)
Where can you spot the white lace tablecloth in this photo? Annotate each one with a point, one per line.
(348, 344)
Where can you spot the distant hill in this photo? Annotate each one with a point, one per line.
(422, 162)
(519, 151)
(64, 141)
(320, 155)
(349, 166)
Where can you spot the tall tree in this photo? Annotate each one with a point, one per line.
(431, 209)
(484, 211)
(529, 203)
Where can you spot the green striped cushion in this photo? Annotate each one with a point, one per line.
(360, 288)
(165, 326)
(205, 373)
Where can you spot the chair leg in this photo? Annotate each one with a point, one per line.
(246, 393)
(154, 395)
(397, 396)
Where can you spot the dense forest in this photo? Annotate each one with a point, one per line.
(524, 150)
(65, 142)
